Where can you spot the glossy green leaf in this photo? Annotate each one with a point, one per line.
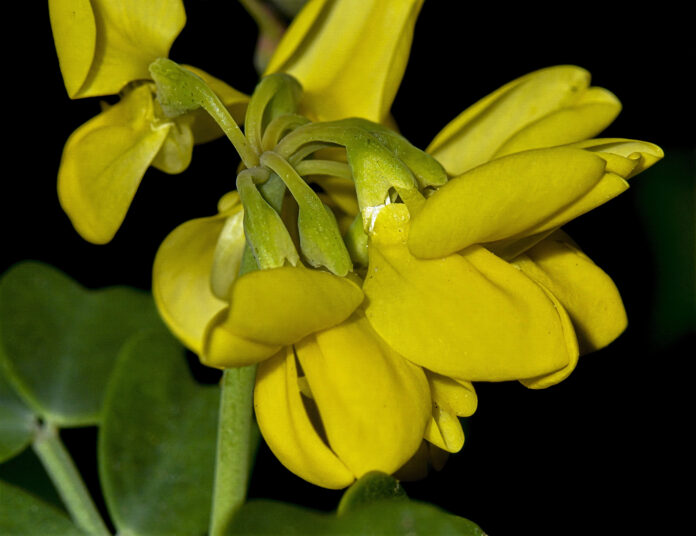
(21, 513)
(371, 487)
(16, 421)
(157, 441)
(381, 517)
(59, 341)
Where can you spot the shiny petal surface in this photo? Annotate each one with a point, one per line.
(282, 305)
(287, 429)
(503, 198)
(181, 279)
(127, 35)
(373, 403)
(585, 290)
(104, 161)
(471, 316)
(548, 107)
(348, 56)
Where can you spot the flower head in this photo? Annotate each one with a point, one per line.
(372, 304)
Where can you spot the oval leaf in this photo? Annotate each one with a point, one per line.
(59, 340)
(22, 513)
(371, 487)
(380, 517)
(157, 441)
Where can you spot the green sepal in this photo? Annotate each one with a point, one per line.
(275, 95)
(427, 170)
(371, 487)
(59, 341)
(178, 89)
(320, 239)
(376, 170)
(156, 446)
(264, 229)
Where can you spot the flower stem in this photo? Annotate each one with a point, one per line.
(234, 446)
(66, 478)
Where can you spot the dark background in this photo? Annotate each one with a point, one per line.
(600, 452)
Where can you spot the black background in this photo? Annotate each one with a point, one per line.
(599, 453)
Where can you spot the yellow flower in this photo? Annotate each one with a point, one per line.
(105, 47)
(466, 279)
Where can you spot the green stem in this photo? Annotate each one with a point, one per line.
(234, 445)
(66, 478)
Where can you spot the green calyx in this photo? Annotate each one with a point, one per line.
(277, 148)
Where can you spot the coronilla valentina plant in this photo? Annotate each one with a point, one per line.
(356, 285)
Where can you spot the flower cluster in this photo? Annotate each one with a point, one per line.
(372, 300)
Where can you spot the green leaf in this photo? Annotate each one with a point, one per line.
(21, 513)
(59, 341)
(157, 441)
(17, 421)
(380, 517)
(373, 486)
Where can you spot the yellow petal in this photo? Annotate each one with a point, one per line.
(373, 403)
(506, 197)
(451, 398)
(175, 154)
(224, 349)
(104, 161)
(548, 107)
(459, 395)
(280, 306)
(586, 292)
(130, 34)
(470, 315)
(288, 430)
(624, 159)
(348, 56)
(636, 156)
(203, 125)
(444, 429)
(587, 117)
(181, 279)
(75, 37)
(572, 349)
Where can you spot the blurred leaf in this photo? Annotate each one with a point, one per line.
(157, 441)
(667, 202)
(26, 471)
(380, 517)
(59, 340)
(17, 421)
(22, 514)
(373, 486)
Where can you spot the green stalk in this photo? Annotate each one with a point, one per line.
(66, 478)
(234, 446)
